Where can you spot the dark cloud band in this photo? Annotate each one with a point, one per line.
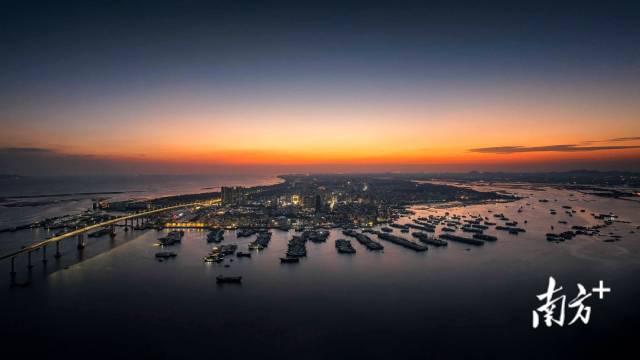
(549, 148)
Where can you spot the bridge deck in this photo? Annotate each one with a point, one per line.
(102, 224)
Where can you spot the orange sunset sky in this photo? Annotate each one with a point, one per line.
(366, 92)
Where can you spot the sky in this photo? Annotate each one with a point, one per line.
(250, 87)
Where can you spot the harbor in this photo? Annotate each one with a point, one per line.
(429, 226)
(377, 268)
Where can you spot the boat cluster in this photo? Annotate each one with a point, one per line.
(475, 225)
(218, 253)
(364, 239)
(172, 238)
(245, 232)
(429, 240)
(261, 241)
(297, 247)
(401, 241)
(215, 236)
(316, 236)
(344, 247)
(578, 230)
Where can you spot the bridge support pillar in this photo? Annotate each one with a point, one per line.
(58, 255)
(80, 241)
(29, 265)
(44, 254)
(13, 271)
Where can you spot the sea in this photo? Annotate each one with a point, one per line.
(114, 299)
(72, 194)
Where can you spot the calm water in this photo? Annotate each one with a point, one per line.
(454, 302)
(130, 187)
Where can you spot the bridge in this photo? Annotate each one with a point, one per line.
(80, 233)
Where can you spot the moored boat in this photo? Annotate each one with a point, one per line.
(220, 279)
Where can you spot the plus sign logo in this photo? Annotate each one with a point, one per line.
(552, 311)
(601, 290)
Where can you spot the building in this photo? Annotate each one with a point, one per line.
(227, 195)
(308, 202)
(232, 195)
(318, 204)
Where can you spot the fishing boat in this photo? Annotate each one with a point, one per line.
(220, 279)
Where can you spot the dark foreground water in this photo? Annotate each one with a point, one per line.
(454, 302)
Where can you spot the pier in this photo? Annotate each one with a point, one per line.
(402, 242)
(461, 239)
(425, 238)
(364, 240)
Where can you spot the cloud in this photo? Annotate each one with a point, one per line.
(548, 148)
(614, 140)
(26, 150)
(625, 139)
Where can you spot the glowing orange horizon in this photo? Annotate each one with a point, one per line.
(435, 157)
(340, 133)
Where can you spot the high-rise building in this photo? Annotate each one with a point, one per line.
(318, 206)
(232, 195)
(309, 201)
(227, 195)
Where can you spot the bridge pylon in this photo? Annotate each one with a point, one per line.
(58, 255)
(81, 243)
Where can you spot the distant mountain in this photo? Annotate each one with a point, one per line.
(578, 177)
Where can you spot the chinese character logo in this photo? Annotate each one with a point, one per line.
(553, 309)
